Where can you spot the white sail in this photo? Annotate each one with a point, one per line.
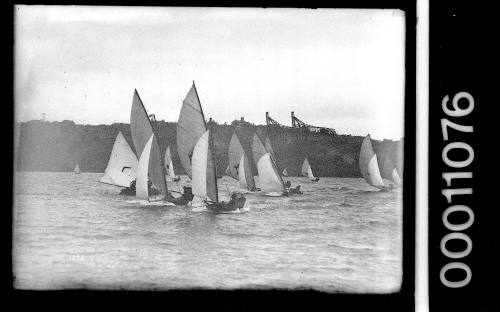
(141, 185)
(310, 173)
(395, 177)
(306, 170)
(171, 172)
(204, 182)
(269, 179)
(285, 173)
(169, 165)
(242, 174)
(122, 164)
(77, 169)
(368, 164)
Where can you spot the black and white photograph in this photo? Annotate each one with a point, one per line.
(161, 148)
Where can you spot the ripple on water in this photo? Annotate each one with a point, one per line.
(72, 232)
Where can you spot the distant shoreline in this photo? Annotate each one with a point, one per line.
(58, 146)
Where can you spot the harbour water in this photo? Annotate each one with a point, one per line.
(70, 231)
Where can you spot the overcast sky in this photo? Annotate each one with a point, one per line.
(342, 69)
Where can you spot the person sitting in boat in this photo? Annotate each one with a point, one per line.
(237, 201)
(186, 197)
(292, 190)
(152, 189)
(130, 191)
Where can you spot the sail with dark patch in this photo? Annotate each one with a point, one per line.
(234, 153)
(122, 164)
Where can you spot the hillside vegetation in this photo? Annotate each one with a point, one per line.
(58, 146)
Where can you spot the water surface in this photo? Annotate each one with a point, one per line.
(70, 231)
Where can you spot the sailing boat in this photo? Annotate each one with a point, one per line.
(122, 164)
(146, 146)
(239, 165)
(284, 173)
(307, 171)
(368, 165)
(169, 166)
(388, 170)
(77, 169)
(195, 153)
(269, 178)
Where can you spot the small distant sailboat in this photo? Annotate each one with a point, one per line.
(284, 173)
(239, 165)
(368, 165)
(146, 146)
(77, 169)
(122, 164)
(269, 178)
(194, 147)
(307, 171)
(169, 166)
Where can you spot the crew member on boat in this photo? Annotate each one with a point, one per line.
(236, 202)
(292, 190)
(186, 197)
(130, 191)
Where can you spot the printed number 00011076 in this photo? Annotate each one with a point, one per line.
(456, 229)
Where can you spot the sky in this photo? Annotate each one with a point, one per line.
(336, 68)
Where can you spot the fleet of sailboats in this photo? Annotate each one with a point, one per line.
(148, 171)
